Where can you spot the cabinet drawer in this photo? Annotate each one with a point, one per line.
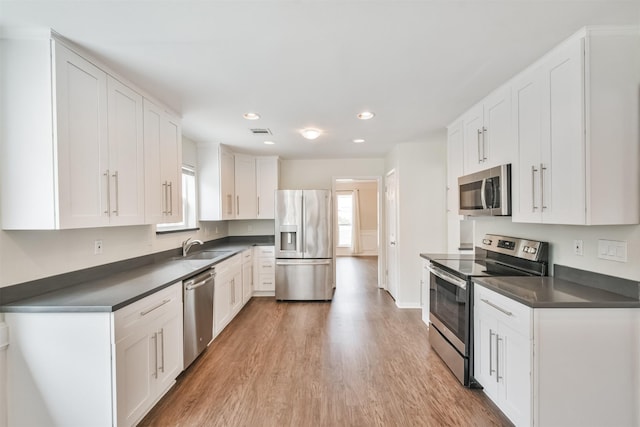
(266, 266)
(265, 251)
(128, 319)
(266, 282)
(514, 314)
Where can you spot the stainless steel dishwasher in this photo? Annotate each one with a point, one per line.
(198, 314)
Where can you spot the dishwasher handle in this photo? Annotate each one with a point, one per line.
(199, 281)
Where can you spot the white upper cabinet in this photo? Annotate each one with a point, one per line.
(73, 140)
(245, 186)
(487, 132)
(235, 186)
(267, 182)
(125, 173)
(576, 128)
(163, 163)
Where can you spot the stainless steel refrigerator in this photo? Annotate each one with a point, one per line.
(304, 245)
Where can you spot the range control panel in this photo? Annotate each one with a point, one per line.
(521, 248)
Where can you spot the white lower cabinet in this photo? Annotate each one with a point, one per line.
(227, 292)
(265, 271)
(247, 275)
(97, 369)
(557, 366)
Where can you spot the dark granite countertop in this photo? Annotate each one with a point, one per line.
(553, 292)
(117, 290)
(466, 256)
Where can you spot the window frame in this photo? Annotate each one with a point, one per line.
(188, 209)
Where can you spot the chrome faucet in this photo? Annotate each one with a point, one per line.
(186, 245)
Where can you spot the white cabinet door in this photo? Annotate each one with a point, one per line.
(484, 352)
(163, 163)
(497, 143)
(221, 303)
(267, 182)
(80, 98)
(236, 292)
(513, 370)
(135, 370)
(245, 186)
(247, 275)
(169, 351)
(487, 132)
(472, 131)
(171, 163)
(227, 183)
(562, 185)
(126, 155)
(525, 172)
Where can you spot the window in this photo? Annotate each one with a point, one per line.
(345, 219)
(188, 204)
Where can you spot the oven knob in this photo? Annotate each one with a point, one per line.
(526, 249)
(486, 241)
(532, 250)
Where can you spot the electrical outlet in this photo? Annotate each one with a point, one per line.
(216, 229)
(577, 247)
(97, 247)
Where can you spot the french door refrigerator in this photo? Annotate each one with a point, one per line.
(304, 245)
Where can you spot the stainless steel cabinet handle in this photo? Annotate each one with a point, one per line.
(479, 153)
(542, 169)
(145, 312)
(164, 198)
(258, 205)
(484, 144)
(154, 337)
(170, 185)
(117, 209)
(497, 307)
(237, 205)
(533, 188)
(229, 206)
(498, 377)
(491, 370)
(161, 335)
(108, 211)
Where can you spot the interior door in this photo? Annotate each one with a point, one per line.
(391, 200)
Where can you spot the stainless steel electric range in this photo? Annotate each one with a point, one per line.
(451, 293)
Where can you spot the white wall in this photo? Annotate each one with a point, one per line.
(31, 255)
(317, 174)
(421, 176)
(561, 239)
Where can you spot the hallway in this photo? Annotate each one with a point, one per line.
(358, 361)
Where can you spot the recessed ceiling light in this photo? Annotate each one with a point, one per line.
(311, 133)
(365, 115)
(269, 142)
(251, 116)
(358, 141)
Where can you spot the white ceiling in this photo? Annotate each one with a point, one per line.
(417, 64)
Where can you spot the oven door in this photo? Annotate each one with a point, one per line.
(449, 308)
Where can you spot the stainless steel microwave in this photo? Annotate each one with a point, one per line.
(486, 193)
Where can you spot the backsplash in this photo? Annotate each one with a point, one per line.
(561, 239)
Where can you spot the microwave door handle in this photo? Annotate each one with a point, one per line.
(482, 193)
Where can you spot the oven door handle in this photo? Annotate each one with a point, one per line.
(448, 277)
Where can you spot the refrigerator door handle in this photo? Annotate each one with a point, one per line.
(303, 242)
(318, 262)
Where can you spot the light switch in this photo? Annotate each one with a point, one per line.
(613, 250)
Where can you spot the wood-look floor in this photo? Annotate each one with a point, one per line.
(357, 361)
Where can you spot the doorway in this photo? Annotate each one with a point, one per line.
(358, 214)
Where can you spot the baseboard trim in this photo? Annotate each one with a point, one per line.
(407, 305)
